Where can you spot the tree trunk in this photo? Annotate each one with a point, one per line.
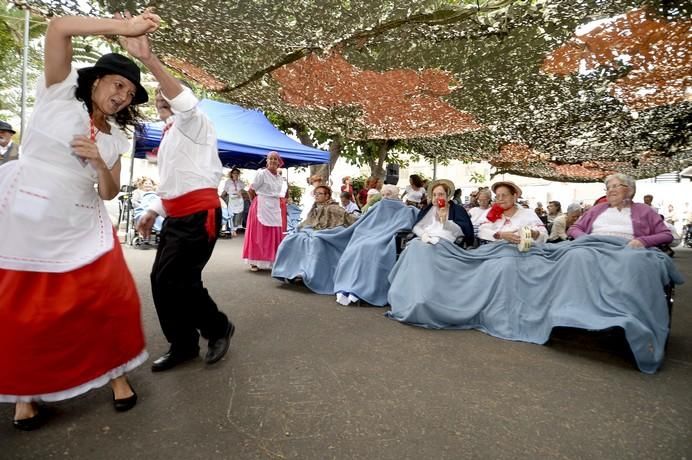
(303, 135)
(335, 147)
(377, 164)
(325, 170)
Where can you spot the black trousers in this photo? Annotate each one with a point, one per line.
(183, 305)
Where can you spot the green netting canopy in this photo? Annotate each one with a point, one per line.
(567, 90)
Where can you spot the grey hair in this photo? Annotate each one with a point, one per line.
(485, 191)
(625, 179)
(389, 191)
(574, 207)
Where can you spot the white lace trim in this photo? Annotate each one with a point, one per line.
(261, 264)
(83, 388)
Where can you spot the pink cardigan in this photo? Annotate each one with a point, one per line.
(648, 226)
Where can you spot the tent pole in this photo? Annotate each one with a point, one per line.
(25, 63)
(129, 183)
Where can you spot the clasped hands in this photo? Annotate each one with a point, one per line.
(135, 39)
(514, 237)
(142, 24)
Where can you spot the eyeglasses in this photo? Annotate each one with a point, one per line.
(320, 193)
(616, 186)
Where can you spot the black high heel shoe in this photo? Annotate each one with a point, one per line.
(31, 423)
(125, 404)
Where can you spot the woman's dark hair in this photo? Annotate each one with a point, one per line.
(416, 180)
(557, 205)
(346, 195)
(234, 170)
(129, 116)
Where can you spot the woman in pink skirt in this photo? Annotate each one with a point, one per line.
(264, 223)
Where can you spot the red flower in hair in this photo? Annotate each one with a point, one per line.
(495, 212)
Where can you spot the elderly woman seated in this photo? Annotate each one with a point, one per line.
(442, 218)
(353, 261)
(478, 213)
(142, 198)
(637, 223)
(325, 212)
(595, 282)
(558, 231)
(507, 221)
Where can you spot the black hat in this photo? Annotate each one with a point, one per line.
(4, 126)
(114, 63)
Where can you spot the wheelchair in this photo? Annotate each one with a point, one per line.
(127, 212)
(687, 236)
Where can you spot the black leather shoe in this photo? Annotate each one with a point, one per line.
(172, 359)
(31, 423)
(125, 404)
(219, 347)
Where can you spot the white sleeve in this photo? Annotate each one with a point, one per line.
(258, 181)
(192, 122)
(61, 90)
(486, 231)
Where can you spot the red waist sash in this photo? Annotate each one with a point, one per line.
(205, 199)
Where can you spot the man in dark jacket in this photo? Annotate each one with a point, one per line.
(8, 150)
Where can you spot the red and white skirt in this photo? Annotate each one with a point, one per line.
(63, 334)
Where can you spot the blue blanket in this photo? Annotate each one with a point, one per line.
(355, 260)
(292, 217)
(591, 283)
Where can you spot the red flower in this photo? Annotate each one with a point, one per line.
(495, 212)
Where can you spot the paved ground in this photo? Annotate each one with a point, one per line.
(309, 379)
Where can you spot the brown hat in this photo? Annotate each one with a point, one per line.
(508, 184)
(448, 184)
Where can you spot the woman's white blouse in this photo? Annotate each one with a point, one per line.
(268, 188)
(414, 195)
(612, 222)
(51, 215)
(522, 218)
(430, 229)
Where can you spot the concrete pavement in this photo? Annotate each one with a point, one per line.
(309, 379)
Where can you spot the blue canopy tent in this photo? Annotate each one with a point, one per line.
(244, 138)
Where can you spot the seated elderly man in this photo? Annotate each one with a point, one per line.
(562, 222)
(353, 261)
(508, 221)
(325, 212)
(596, 282)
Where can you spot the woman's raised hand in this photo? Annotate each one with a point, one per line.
(145, 23)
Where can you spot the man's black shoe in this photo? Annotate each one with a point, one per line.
(172, 359)
(219, 347)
